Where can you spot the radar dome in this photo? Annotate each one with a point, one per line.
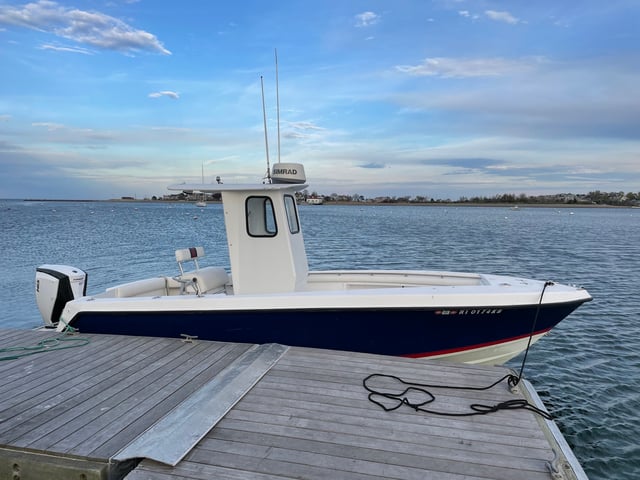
(288, 173)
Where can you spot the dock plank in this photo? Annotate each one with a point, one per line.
(445, 400)
(40, 373)
(371, 461)
(38, 386)
(116, 375)
(312, 411)
(387, 427)
(438, 446)
(197, 471)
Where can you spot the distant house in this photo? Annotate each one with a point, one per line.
(315, 201)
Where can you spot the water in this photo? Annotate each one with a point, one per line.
(587, 370)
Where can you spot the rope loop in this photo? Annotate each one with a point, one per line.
(390, 399)
(66, 339)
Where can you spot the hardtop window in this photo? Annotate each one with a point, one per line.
(261, 219)
(292, 213)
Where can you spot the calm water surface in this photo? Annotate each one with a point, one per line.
(587, 370)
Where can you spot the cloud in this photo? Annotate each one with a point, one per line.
(49, 125)
(5, 118)
(164, 93)
(544, 98)
(467, 14)
(502, 17)
(91, 28)
(366, 19)
(47, 174)
(58, 48)
(467, 67)
(472, 163)
(372, 165)
(303, 130)
(305, 126)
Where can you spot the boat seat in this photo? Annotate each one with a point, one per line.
(204, 280)
(149, 287)
(200, 280)
(189, 255)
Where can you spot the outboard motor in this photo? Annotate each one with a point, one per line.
(55, 286)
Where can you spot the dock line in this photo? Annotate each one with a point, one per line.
(66, 339)
(398, 398)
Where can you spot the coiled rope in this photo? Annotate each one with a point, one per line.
(397, 397)
(390, 399)
(67, 339)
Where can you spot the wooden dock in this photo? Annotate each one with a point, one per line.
(141, 408)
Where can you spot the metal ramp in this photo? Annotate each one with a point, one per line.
(175, 434)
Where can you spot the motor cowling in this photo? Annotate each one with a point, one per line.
(55, 286)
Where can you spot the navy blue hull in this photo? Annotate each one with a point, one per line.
(407, 332)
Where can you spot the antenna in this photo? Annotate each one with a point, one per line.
(266, 141)
(277, 102)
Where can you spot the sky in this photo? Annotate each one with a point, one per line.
(439, 98)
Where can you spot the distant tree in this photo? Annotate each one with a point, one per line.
(597, 197)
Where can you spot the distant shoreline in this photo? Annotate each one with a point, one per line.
(513, 206)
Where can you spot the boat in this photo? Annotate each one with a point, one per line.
(269, 295)
(315, 200)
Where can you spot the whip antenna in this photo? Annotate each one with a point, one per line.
(266, 140)
(277, 102)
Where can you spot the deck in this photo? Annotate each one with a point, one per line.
(142, 408)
